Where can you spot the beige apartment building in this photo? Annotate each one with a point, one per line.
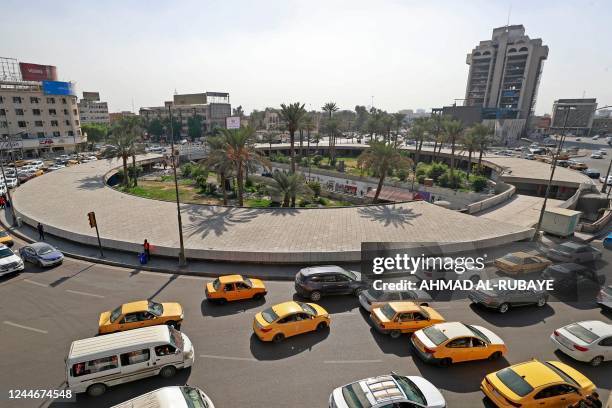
(92, 110)
(35, 123)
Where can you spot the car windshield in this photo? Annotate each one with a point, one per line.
(388, 311)
(376, 294)
(176, 339)
(193, 398)
(515, 382)
(156, 308)
(216, 284)
(562, 374)
(350, 274)
(478, 333)
(269, 315)
(355, 397)
(3, 234)
(513, 259)
(566, 248)
(582, 333)
(4, 252)
(608, 290)
(248, 282)
(410, 389)
(308, 309)
(115, 314)
(435, 335)
(44, 250)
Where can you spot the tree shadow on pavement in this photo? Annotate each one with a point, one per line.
(287, 348)
(204, 220)
(388, 215)
(516, 317)
(333, 304)
(283, 212)
(120, 393)
(164, 286)
(91, 183)
(216, 310)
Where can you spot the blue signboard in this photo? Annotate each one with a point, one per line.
(57, 88)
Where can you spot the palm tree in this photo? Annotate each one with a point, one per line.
(436, 126)
(308, 127)
(330, 108)
(239, 147)
(470, 143)
(453, 130)
(288, 186)
(399, 121)
(125, 132)
(382, 158)
(332, 127)
(292, 115)
(418, 131)
(485, 137)
(219, 162)
(137, 148)
(387, 124)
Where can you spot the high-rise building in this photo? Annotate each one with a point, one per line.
(575, 115)
(505, 73)
(92, 110)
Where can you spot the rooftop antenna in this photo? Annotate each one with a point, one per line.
(509, 13)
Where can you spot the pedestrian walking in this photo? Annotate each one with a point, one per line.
(2, 202)
(41, 231)
(147, 250)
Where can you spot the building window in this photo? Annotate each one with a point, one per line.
(1, 99)
(64, 101)
(16, 99)
(65, 111)
(74, 112)
(40, 135)
(36, 112)
(52, 112)
(2, 112)
(70, 133)
(76, 122)
(4, 124)
(50, 100)
(67, 123)
(56, 134)
(34, 99)
(21, 124)
(38, 123)
(19, 112)
(54, 123)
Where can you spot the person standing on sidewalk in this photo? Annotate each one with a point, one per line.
(41, 231)
(147, 250)
(2, 202)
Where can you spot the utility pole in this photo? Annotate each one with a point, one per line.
(8, 190)
(91, 216)
(552, 171)
(605, 182)
(182, 260)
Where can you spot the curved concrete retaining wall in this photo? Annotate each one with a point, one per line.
(493, 201)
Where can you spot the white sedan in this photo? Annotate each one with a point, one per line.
(589, 341)
(603, 180)
(596, 155)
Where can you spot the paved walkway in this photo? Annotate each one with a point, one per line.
(62, 199)
(520, 210)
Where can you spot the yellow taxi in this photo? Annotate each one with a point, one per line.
(453, 342)
(234, 287)
(138, 314)
(536, 384)
(5, 238)
(289, 319)
(395, 318)
(522, 262)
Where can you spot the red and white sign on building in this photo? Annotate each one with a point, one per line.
(36, 72)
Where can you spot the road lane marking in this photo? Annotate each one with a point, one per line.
(351, 361)
(228, 358)
(76, 292)
(42, 285)
(25, 327)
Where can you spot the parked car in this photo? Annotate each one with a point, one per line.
(521, 262)
(5, 238)
(391, 390)
(530, 156)
(535, 383)
(602, 152)
(573, 252)
(56, 167)
(596, 137)
(317, 281)
(608, 182)
(229, 288)
(591, 173)
(578, 165)
(596, 155)
(589, 341)
(607, 242)
(11, 182)
(604, 298)
(139, 314)
(182, 396)
(371, 296)
(9, 262)
(563, 163)
(41, 254)
(503, 299)
(454, 342)
(578, 139)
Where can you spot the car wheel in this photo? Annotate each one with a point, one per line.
(395, 334)
(541, 302)
(503, 308)
(95, 390)
(315, 296)
(278, 337)
(495, 356)
(445, 362)
(168, 372)
(258, 296)
(475, 279)
(39, 263)
(596, 361)
(321, 326)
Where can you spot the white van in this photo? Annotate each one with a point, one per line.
(170, 397)
(97, 363)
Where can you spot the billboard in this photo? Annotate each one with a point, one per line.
(91, 96)
(36, 72)
(57, 88)
(232, 122)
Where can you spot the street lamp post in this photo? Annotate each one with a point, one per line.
(567, 110)
(182, 259)
(8, 190)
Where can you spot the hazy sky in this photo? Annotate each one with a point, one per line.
(408, 54)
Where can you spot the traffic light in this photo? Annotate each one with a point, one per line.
(92, 219)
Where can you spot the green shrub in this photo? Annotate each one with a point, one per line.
(478, 183)
(187, 169)
(315, 186)
(323, 201)
(305, 162)
(248, 183)
(454, 181)
(402, 174)
(317, 159)
(280, 158)
(422, 169)
(436, 170)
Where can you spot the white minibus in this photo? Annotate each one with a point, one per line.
(170, 397)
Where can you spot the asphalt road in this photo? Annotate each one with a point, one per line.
(42, 311)
(591, 145)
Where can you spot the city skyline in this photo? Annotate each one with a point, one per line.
(411, 61)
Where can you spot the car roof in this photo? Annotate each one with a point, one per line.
(454, 329)
(230, 278)
(598, 327)
(536, 373)
(568, 267)
(39, 245)
(383, 388)
(405, 306)
(521, 254)
(283, 309)
(572, 244)
(315, 270)
(137, 306)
